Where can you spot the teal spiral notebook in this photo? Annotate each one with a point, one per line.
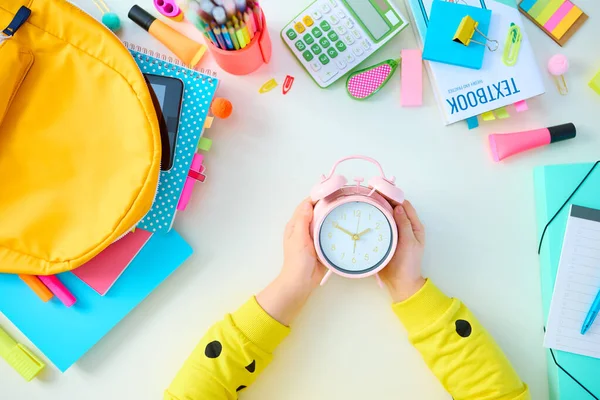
(571, 376)
(198, 93)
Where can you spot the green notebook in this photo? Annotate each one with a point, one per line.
(553, 185)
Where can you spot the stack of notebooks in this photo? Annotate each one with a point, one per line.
(573, 359)
(466, 86)
(112, 284)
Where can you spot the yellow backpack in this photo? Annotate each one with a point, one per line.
(80, 144)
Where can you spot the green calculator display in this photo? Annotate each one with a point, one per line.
(331, 37)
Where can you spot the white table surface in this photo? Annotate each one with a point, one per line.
(347, 343)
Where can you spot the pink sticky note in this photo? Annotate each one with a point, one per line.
(521, 106)
(411, 93)
(558, 16)
(102, 271)
(188, 187)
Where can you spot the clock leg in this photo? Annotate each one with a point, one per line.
(379, 281)
(326, 277)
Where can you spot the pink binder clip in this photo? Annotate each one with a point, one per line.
(196, 173)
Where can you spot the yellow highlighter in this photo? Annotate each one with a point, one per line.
(19, 357)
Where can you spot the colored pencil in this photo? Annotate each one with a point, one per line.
(227, 38)
(257, 17)
(240, 36)
(246, 32)
(213, 38)
(236, 44)
(220, 39)
(250, 23)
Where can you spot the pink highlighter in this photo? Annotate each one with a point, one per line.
(59, 290)
(506, 145)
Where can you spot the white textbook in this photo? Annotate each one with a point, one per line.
(462, 93)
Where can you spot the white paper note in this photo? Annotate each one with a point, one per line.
(577, 284)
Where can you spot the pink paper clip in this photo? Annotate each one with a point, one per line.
(196, 173)
(59, 290)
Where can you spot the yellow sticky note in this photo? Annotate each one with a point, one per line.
(208, 122)
(501, 113)
(488, 116)
(204, 144)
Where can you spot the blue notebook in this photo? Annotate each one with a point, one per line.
(444, 19)
(553, 185)
(65, 334)
(198, 93)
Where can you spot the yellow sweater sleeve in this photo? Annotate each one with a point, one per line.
(458, 350)
(230, 356)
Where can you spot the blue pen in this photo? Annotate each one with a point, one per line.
(227, 37)
(592, 314)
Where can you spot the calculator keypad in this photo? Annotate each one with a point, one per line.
(328, 40)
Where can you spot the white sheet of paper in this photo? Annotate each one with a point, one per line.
(577, 284)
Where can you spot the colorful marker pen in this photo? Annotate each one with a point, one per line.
(59, 290)
(506, 145)
(184, 48)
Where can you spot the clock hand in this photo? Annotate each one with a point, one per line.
(363, 232)
(356, 236)
(347, 232)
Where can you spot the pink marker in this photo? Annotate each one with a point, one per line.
(59, 290)
(506, 145)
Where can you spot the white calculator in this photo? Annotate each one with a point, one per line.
(331, 37)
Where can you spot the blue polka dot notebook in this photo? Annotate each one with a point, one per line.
(198, 93)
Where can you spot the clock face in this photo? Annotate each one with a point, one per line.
(355, 237)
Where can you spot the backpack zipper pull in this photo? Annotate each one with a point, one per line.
(19, 19)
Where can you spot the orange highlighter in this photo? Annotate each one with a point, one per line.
(185, 49)
(37, 286)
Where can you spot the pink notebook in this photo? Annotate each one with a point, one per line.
(102, 271)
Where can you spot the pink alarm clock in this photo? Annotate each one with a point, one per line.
(353, 228)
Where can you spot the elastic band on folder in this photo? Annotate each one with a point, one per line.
(564, 204)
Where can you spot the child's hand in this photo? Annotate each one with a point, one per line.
(301, 273)
(402, 275)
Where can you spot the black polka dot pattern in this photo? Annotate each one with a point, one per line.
(463, 328)
(213, 349)
(240, 388)
(252, 367)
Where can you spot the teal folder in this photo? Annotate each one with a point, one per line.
(65, 334)
(553, 186)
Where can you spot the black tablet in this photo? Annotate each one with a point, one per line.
(167, 95)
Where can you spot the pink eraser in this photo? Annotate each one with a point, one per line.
(521, 106)
(59, 290)
(411, 93)
(188, 187)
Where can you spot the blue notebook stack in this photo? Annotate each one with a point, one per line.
(571, 376)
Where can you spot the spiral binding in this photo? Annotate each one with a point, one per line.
(169, 62)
